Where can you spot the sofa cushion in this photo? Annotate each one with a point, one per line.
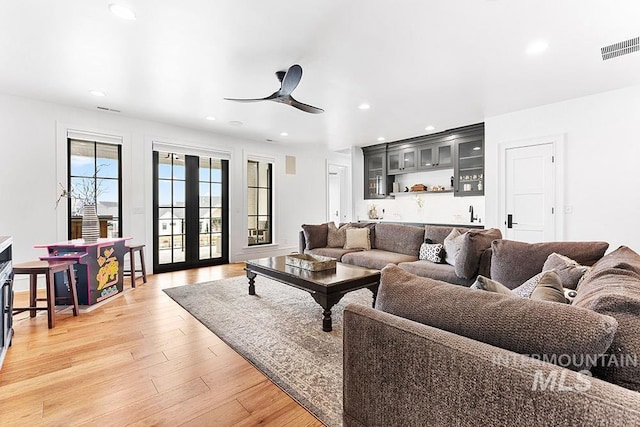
(433, 252)
(526, 289)
(517, 324)
(336, 253)
(443, 272)
(612, 287)
(452, 245)
(376, 258)
(357, 238)
(570, 272)
(336, 237)
(399, 238)
(513, 262)
(315, 235)
(437, 233)
(549, 288)
(474, 243)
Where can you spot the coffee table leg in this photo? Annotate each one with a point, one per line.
(326, 320)
(326, 303)
(252, 280)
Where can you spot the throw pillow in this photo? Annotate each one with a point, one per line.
(549, 288)
(357, 238)
(336, 237)
(570, 271)
(315, 236)
(372, 230)
(452, 244)
(486, 284)
(431, 252)
(526, 289)
(474, 243)
(518, 324)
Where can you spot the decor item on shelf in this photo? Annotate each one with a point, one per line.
(90, 224)
(373, 213)
(396, 187)
(419, 187)
(451, 182)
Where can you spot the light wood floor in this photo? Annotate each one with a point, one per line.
(139, 359)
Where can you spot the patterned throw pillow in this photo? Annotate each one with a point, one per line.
(431, 252)
(526, 289)
(336, 237)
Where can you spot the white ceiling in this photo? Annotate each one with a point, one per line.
(416, 62)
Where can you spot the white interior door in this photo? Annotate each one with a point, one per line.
(530, 193)
(337, 197)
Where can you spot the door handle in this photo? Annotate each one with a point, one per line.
(510, 221)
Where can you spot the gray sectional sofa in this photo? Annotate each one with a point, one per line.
(440, 355)
(400, 244)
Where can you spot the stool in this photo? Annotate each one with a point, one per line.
(49, 269)
(132, 272)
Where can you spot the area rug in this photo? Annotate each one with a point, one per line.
(279, 330)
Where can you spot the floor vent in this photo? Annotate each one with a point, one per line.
(620, 48)
(107, 109)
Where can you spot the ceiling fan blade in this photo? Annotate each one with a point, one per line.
(305, 107)
(291, 80)
(268, 98)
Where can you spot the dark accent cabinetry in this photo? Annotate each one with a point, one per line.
(6, 296)
(375, 171)
(460, 149)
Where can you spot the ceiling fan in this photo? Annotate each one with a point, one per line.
(288, 82)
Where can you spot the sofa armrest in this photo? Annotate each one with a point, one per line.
(399, 372)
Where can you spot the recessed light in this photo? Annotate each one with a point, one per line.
(429, 127)
(122, 12)
(235, 123)
(97, 93)
(211, 118)
(381, 138)
(284, 134)
(537, 47)
(364, 106)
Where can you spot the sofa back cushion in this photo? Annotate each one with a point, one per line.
(437, 233)
(399, 238)
(513, 263)
(557, 332)
(612, 287)
(315, 235)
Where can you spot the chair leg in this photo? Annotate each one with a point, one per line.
(74, 290)
(144, 268)
(51, 300)
(132, 261)
(33, 293)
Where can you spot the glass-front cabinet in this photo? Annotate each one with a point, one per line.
(402, 160)
(434, 156)
(375, 172)
(469, 170)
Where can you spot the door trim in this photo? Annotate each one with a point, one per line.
(557, 142)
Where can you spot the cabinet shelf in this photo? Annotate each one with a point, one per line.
(409, 193)
(470, 157)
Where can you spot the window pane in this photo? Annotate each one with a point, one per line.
(263, 201)
(252, 201)
(164, 193)
(216, 170)
(178, 167)
(82, 158)
(107, 163)
(205, 194)
(216, 245)
(216, 195)
(178, 249)
(177, 221)
(205, 171)
(252, 174)
(108, 197)
(164, 165)
(263, 175)
(178, 193)
(205, 246)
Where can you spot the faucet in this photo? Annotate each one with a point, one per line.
(471, 212)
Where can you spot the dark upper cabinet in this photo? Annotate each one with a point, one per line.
(402, 159)
(435, 155)
(375, 171)
(469, 165)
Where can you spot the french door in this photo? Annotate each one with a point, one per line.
(190, 211)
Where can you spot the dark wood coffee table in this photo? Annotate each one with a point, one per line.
(326, 287)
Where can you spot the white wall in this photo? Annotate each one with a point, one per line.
(32, 138)
(601, 162)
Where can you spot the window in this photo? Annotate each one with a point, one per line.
(259, 193)
(94, 178)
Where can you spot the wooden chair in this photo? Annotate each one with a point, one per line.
(132, 249)
(49, 269)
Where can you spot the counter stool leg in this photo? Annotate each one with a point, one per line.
(74, 290)
(33, 293)
(51, 300)
(132, 261)
(144, 268)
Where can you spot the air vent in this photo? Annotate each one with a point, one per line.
(107, 109)
(620, 48)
